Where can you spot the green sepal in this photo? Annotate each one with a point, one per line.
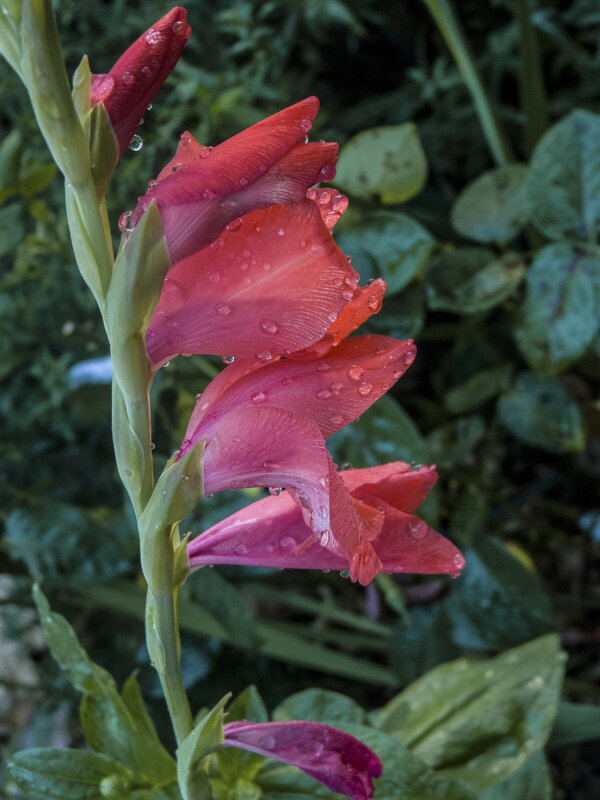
(104, 151)
(82, 87)
(48, 773)
(239, 766)
(206, 737)
(177, 492)
(45, 76)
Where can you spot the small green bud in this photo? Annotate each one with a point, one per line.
(115, 787)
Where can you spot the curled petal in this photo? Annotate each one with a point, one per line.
(331, 204)
(332, 391)
(398, 484)
(204, 189)
(140, 72)
(269, 284)
(336, 759)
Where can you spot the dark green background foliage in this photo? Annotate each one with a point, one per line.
(495, 271)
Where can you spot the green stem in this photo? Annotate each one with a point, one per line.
(533, 93)
(449, 26)
(162, 636)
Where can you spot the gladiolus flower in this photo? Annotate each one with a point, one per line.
(264, 425)
(203, 189)
(270, 532)
(137, 76)
(270, 284)
(336, 759)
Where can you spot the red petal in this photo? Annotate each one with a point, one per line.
(139, 74)
(336, 759)
(198, 197)
(331, 204)
(332, 391)
(268, 285)
(396, 483)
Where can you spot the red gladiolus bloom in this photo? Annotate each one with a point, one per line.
(137, 76)
(264, 425)
(270, 532)
(336, 759)
(203, 189)
(272, 283)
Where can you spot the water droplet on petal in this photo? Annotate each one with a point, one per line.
(323, 483)
(146, 71)
(355, 373)
(235, 224)
(270, 464)
(243, 181)
(336, 387)
(258, 397)
(365, 389)
(213, 276)
(264, 355)
(281, 232)
(217, 244)
(336, 419)
(311, 194)
(223, 310)
(268, 326)
(266, 266)
(286, 381)
(240, 549)
(181, 28)
(323, 366)
(228, 359)
(287, 543)
(125, 222)
(128, 78)
(267, 742)
(346, 466)
(417, 529)
(153, 36)
(323, 394)
(136, 143)
(275, 490)
(345, 573)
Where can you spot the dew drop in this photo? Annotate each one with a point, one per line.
(125, 222)
(323, 366)
(153, 36)
(244, 266)
(240, 549)
(147, 71)
(217, 244)
(267, 742)
(136, 143)
(275, 490)
(336, 387)
(152, 446)
(228, 359)
(348, 295)
(268, 326)
(281, 232)
(287, 543)
(336, 419)
(311, 194)
(323, 394)
(415, 465)
(213, 276)
(264, 356)
(346, 466)
(128, 78)
(365, 389)
(235, 224)
(243, 181)
(417, 529)
(180, 28)
(323, 482)
(286, 381)
(266, 266)
(223, 310)
(345, 573)
(325, 197)
(374, 303)
(302, 243)
(258, 398)
(355, 373)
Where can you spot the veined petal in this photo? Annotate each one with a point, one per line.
(270, 447)
(336, 759)
(332, 391)
(198, 196)
(269, 284)
(140, 72)
(398, 484)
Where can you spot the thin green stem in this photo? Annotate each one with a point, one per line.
(449, 26)
(162, 635)
(533, 93)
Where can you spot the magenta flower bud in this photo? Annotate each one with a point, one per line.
(336, 759)
(129, 87)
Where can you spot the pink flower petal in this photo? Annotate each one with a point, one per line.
(270, 284)
(397, 483)
(140, 72)
(332, 391)
(331, 204)
(202, 190)
(336, 759)
(270, 447)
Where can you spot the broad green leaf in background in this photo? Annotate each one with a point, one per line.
(453, 442)
(402, 316)
(221, 599)
(479, 721)
(472, 279)
(234, 763)
(319, 705)
(395, 244)
(64, 774)
(497, 601)
(387, 161)
(479, 389)
(493, 208)
(12, 228)
(422, 643)
(561, 313)
(531, 782)
(563, 185)
(575, 722)
(543, 414)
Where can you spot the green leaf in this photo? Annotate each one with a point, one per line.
(221, 599)
(402, 315)
(12, 228)
(575, 722)
(478, 389)
(248, 705)
(479, 721)
(470, 280)
(319, 705)
(398, 246)
(531, 782)
(497, 601)
(543, 414)
(387, 161)
(65, 774)
(493, 208)
(453, 442)
(563, 186)
(561, 313)
(234, 762)
(10, 162)
(206, 737)
(422, 643)
(36, 178)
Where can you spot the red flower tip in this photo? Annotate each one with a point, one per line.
(140, 72)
